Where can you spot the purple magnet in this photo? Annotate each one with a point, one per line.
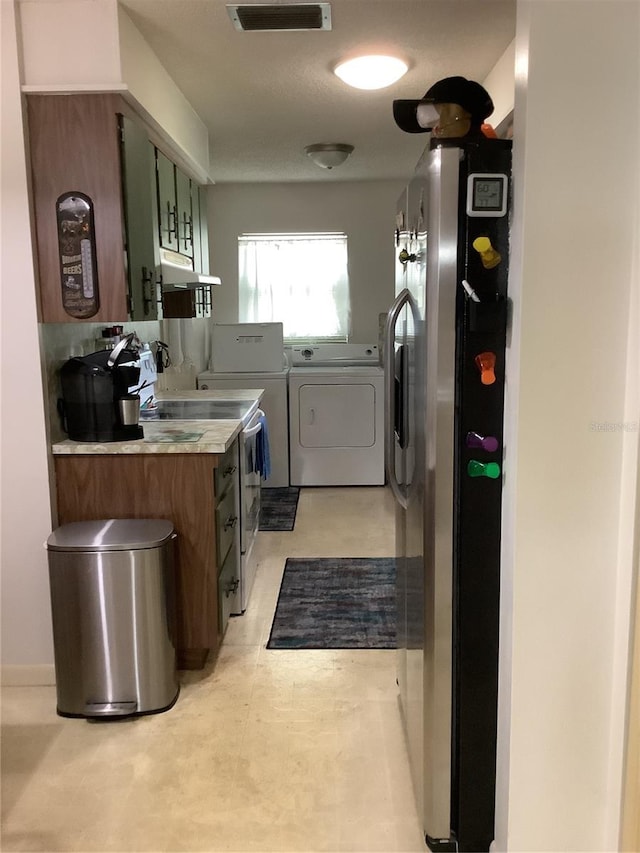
(488, 442)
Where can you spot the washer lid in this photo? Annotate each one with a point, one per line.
(112, 534)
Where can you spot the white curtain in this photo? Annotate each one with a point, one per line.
(301, 281)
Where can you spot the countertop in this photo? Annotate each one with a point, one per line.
(173, 436)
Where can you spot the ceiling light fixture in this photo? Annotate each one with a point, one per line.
(371, 72)
(327, 155)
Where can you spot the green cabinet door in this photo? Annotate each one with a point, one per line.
(138, 199)
(185, 217)
(200, 232)
(167, 208)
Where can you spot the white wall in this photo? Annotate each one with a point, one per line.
(364, 211)
(27, 650)
(500, 85)
(572, 425)
(70, 45)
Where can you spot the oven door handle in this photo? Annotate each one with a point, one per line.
(254, 430)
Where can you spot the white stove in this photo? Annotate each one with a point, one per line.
(250, 355)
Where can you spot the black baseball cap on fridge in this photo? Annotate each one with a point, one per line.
(471, 96)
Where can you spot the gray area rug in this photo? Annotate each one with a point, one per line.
(278, 508)
(336, 603)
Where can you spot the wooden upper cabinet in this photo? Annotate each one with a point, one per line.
(79, 144)
(74, 147)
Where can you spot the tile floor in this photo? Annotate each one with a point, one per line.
(264, 750)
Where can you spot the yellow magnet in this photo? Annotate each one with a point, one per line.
(488, 255)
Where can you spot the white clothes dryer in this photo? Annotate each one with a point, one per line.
(336, 416)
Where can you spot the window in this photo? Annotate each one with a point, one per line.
(299, 280)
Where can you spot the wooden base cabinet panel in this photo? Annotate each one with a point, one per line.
(176, 487)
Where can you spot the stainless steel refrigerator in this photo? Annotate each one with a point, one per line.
(444, 384)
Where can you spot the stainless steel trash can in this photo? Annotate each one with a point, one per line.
(112, 601)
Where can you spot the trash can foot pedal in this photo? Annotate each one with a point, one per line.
(110, 709)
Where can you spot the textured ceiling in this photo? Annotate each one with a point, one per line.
(264, 96)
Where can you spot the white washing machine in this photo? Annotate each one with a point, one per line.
(336, 415)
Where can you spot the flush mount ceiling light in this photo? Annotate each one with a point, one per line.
(371, 72)
(327, 155)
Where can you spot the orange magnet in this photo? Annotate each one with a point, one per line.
(488, 255)
(486, 362)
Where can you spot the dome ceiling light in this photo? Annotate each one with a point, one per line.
(327, 155)
(371, 72)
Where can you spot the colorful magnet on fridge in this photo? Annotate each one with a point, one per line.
(483, 442)
(483, 469)
(488, 255)
(486, 363)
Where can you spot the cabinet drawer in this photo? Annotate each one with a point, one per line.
(226, 524)
(226, 471)
(228, 589)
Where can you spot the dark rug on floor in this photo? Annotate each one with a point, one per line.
(278, 508)
(336, 603)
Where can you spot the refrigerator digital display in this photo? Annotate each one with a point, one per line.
(486, 195)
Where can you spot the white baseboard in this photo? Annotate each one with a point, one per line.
(27, 676)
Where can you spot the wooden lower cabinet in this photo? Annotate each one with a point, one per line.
(173, 486)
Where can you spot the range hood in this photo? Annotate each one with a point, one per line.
(177, 273)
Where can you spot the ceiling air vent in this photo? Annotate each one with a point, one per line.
(280, 17)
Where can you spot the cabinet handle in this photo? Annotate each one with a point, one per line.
(230, 523)
(233, 586)
(187, 229)
(171, 214)
(148, 290)
(230, 470)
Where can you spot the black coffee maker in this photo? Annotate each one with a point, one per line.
(93, 387)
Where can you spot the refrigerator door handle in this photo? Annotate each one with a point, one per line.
(401, 300)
